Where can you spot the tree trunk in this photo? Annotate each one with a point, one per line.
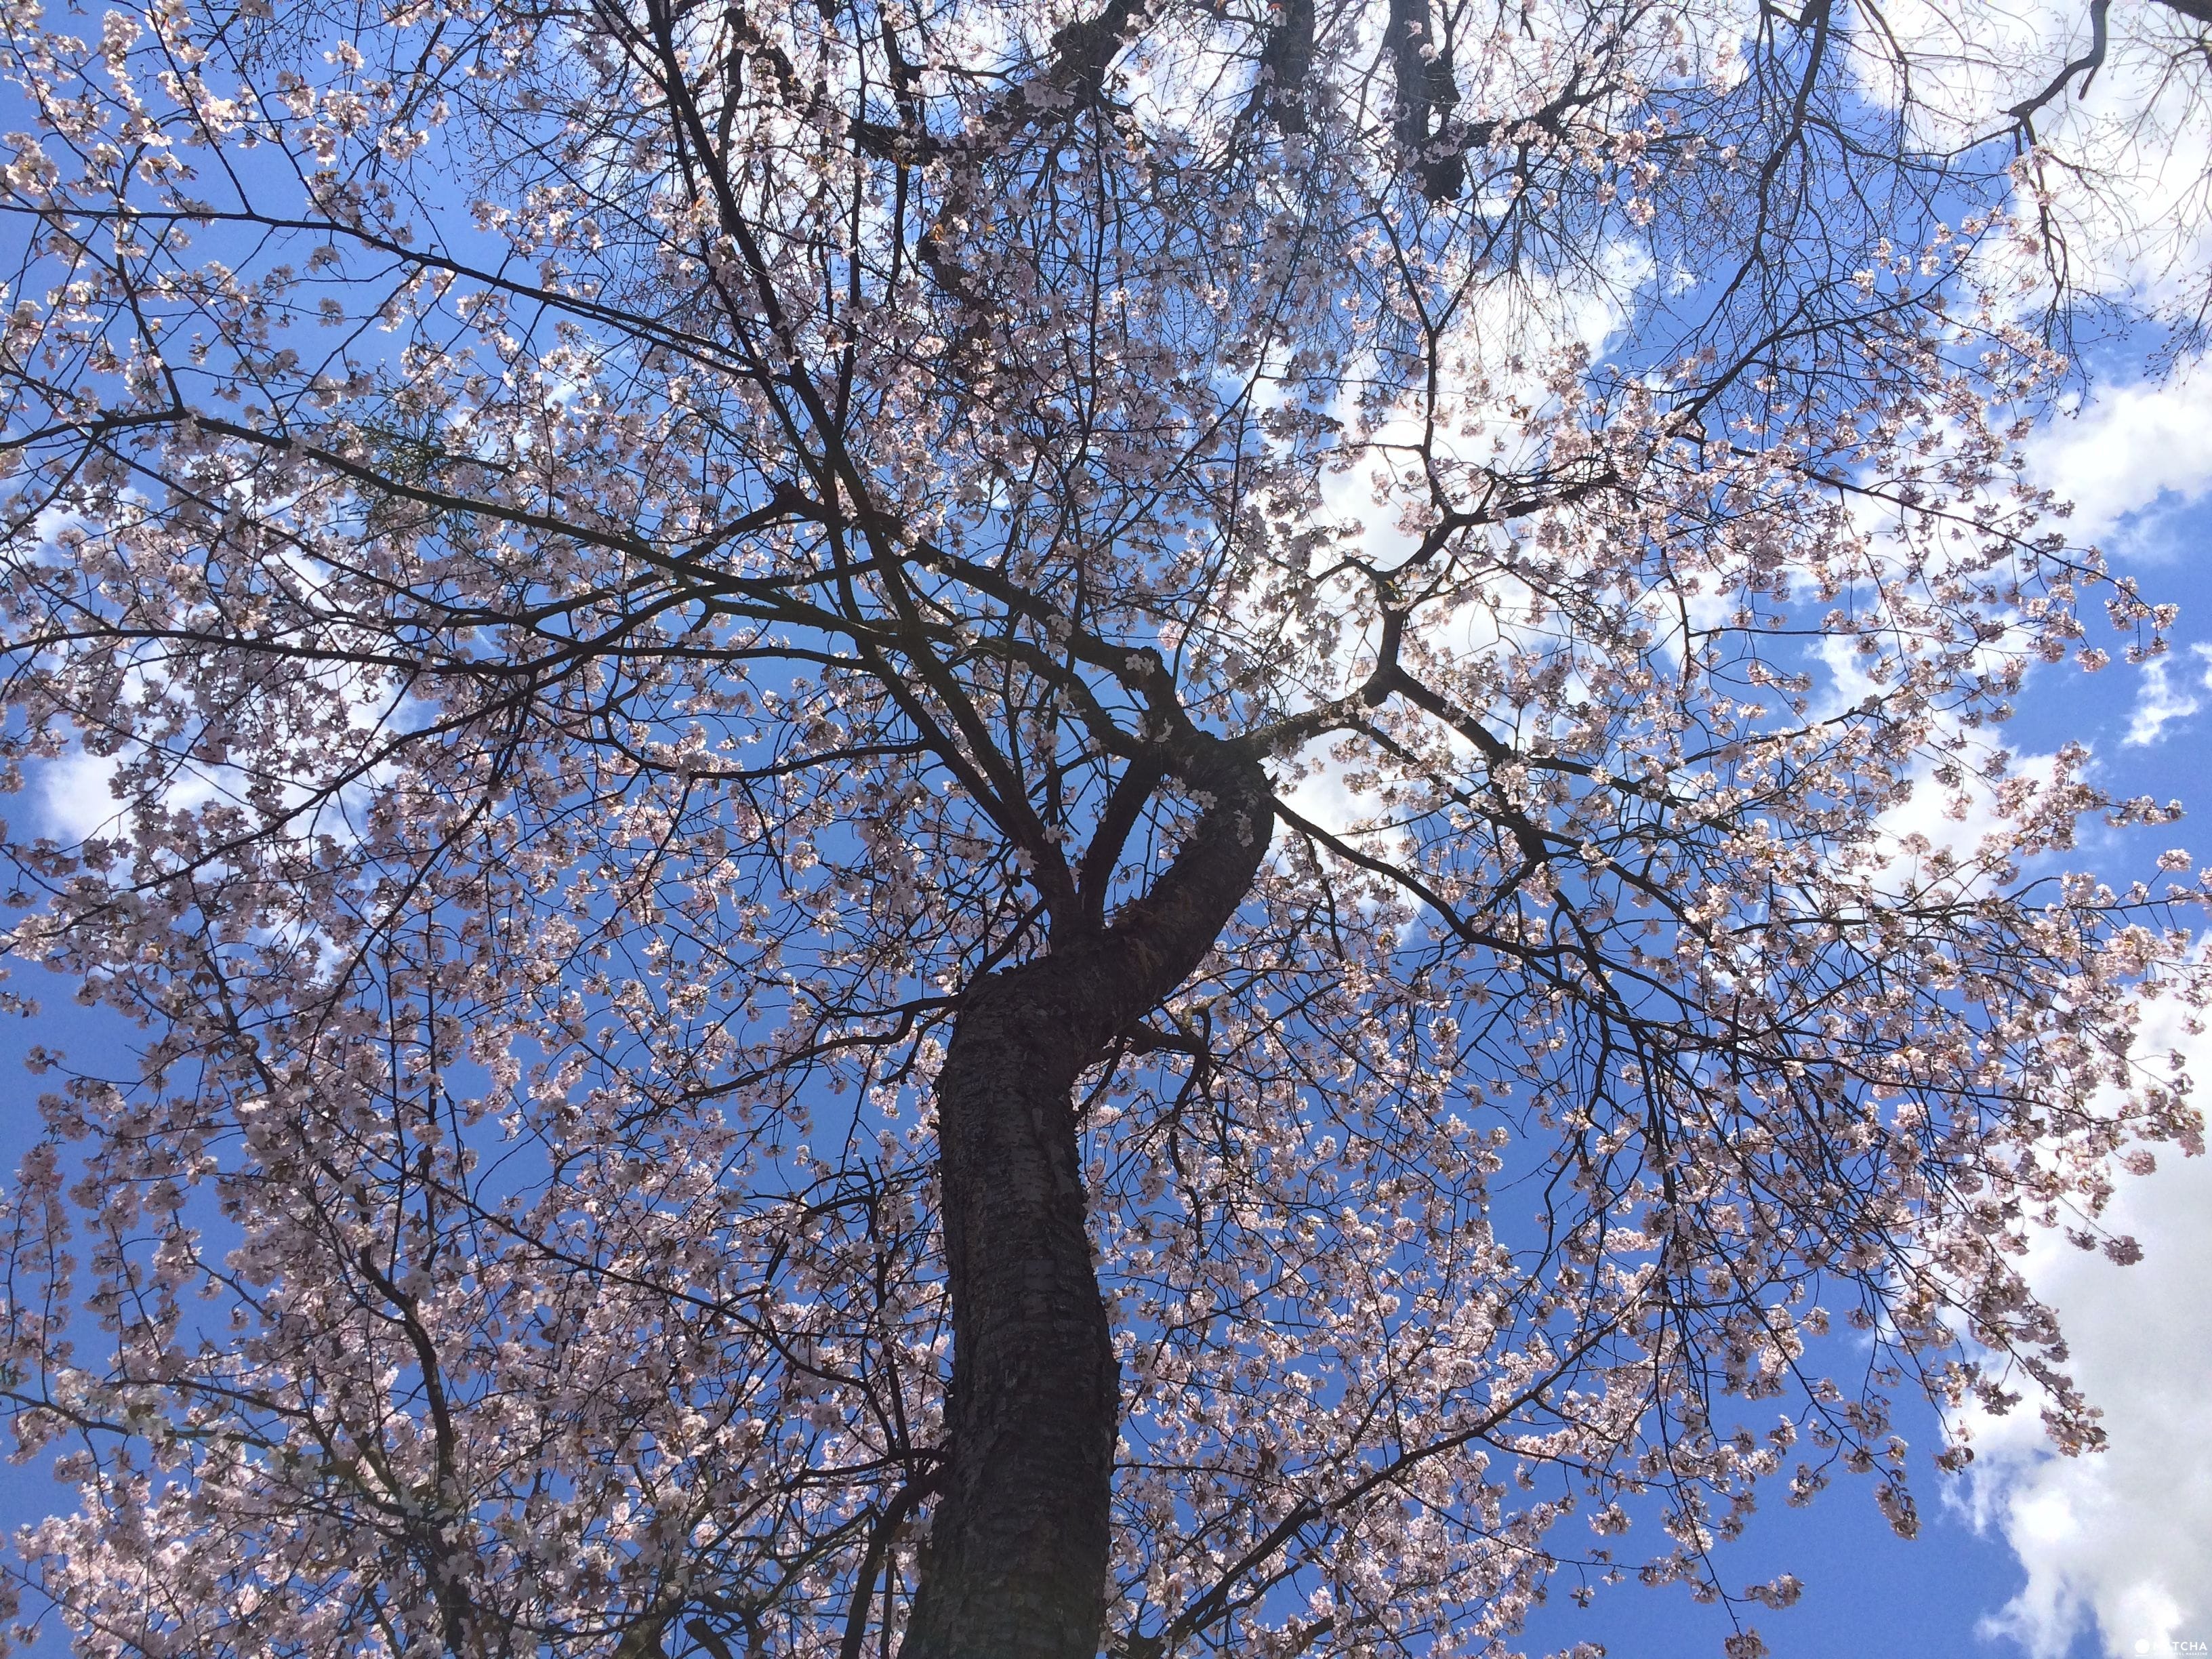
(1017, 1558)
(1018, 1552)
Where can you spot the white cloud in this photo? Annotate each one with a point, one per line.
(2160, 703)
(75, 798)
(2121, 1539)
(1481, 418)
(2130, 457)
(2124, 191)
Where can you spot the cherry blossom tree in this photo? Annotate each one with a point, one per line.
(984, 829)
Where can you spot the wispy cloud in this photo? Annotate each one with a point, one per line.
(2160, 703)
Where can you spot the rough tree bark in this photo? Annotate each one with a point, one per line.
(1017, 1559)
